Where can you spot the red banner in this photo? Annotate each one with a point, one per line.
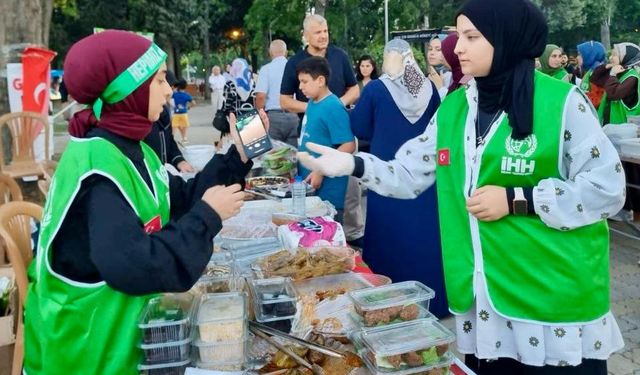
(35, 80)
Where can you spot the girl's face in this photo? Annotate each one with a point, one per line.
(392, 64)
(434, 54)
(473, 49)
(366, 68)
(555, 59)
(159, 93)
(615, 59)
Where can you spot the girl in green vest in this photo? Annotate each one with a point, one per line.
(591, 56)
(526, 180)
(551, 63)
(621, 87)
(116, 228)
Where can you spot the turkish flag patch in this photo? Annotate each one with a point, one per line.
(153, 225)
(444, 157)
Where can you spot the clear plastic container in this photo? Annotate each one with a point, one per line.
(220, 366)
(176, 368)
(223, 352)
(166, 352)
(221, 317)
(220, 265)
(305, 263)
(416, 346)
(273, 299)
(166, 319)
(222, 284)
(342, 283)
(390, 304)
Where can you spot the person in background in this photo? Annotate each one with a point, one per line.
(621, 86)
(392, 110)
(227, 73)
(182, 102)
(591, 60)
(551, 63)
(452, 63)
(284, 125)
(239, 91)
(366, 71)
(117, 230)
(438, 73)
(342, 82)
(216, 85)
(525, 179)
(326, 122)
(161, 140)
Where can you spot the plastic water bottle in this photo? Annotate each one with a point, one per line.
(298, 195)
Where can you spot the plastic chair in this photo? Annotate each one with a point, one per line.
(21, 128)
(9, 191)
(48, 169)
(15, 229)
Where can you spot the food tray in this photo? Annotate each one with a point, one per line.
(273, 299)
(166, 319)
(221, 317)
(224, 352)
(306, 263)
(176, 368)
(390, 304)
(339, 284)
(416, 345)
(268, 182)
(166, 352)
(314, 206)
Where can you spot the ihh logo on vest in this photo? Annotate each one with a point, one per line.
(519, 151)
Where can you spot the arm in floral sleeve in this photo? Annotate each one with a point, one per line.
(593, 187)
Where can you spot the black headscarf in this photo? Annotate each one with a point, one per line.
(517, 31)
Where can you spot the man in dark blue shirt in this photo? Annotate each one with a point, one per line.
(342, 81)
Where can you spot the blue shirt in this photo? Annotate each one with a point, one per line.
(269, 80)
(181, 98)
(341, 77)
(327, 123)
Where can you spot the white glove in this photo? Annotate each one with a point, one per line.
(331, 162)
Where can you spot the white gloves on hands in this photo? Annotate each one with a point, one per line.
(330, 163)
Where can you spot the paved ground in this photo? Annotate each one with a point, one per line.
(625, 253)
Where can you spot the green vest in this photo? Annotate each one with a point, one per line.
(585, 84)
(560, 74)
(533, 272)
(79, 328)
(618, 110)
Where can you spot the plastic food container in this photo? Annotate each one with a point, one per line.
(273, 299)
(304, 263)
(222, 317)
(166, 352)
(339, 284)
(166, 319)
(224, 352)
(220, 366)
(282, 325)
(176, 368)
(415, 346)
(390, 304)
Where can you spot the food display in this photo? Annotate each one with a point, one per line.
(273, 299)
(165, 319)
(279, 162)
(248, 232)
(222, 317)
(268, 182)
(176, 368)
(390, 304)
(218, 276)
(331, 286)
(228, 352)
(307, 263)
(166, 352)
(407, 348)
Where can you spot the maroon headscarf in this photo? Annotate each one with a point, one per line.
(448, 47)
(91, 64)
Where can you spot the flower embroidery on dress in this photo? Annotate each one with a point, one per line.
(582, 108)
(423, 139)
(563, 364)
(619, 167)
(377, 180)
(498, 344)
(391, 169)
(426, 158)
(534, 342)
(579, 207)
(484, 315)
(595, 152)
(567, 135)
(559, 191)
(597, 345)
(568, 157)
(560, 332)
(604, 215)
(467, 326)
(545, 208)
(509, 325)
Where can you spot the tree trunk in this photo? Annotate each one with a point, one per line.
(320, 7)
(22, 22)
(605, 34)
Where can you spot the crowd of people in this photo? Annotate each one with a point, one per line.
(487, 174)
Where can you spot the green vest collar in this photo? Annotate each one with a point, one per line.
(129, 80)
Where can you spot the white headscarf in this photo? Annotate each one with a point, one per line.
(242, 77)
(409, 88)
(629, 52)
